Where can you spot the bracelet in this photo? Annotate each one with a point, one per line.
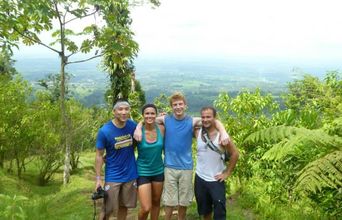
(98, 177)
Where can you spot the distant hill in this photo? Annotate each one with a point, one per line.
(201, 80)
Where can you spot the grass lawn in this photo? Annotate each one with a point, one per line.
(56, 201)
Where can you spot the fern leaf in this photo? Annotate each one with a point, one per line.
(303, 140)
(282, 149)
(321, 173)
(272, 134)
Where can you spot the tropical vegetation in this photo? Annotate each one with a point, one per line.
(291, 148)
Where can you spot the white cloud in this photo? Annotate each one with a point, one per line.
(308, 30)
(271, 28)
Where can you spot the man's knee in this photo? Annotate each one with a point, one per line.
(219, 209)
(156, 202)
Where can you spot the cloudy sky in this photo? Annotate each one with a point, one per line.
(309, 30)
(305, 30)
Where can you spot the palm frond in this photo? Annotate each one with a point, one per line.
(323, 172)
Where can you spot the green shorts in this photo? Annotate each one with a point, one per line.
(178, 189)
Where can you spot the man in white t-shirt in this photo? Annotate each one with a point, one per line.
(211, 170)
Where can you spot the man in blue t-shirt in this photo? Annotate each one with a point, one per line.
(116, 139)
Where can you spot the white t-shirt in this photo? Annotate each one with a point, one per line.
(209, 163)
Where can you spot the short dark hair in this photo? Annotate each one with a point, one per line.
(149, 105)
(209, 108)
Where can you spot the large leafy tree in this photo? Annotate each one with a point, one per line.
(314, 101)
(95, 28)
(13, 108)
(242, 115)
(7, 70)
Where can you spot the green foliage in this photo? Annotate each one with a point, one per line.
(321, 173)
(11, 207)
(7, 70)
(308, 161)
(44, 132)
(316, 101)
(271, 134)
(13, 144)
(290, 157)
(135, 104)
(119, 54)
(241, 116)
(335, 127)
(52, 201)
(51, 83)
(246, 113)
(162, 103)
(82, 124)
(291, 140)
(265, 197)
(25, 20)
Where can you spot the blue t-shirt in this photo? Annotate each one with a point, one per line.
(178, 141)
(118, 143)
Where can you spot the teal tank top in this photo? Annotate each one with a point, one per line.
(150, 161)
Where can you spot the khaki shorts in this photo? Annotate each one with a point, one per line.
(119, 194)
(178, 188)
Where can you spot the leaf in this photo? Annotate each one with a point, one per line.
(323, 172)
(86, 46)
(70, 45)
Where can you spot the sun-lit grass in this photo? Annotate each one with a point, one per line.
(53, 201)
(56, 201)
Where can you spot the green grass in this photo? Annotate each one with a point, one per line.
(56, 201)
(53, 201)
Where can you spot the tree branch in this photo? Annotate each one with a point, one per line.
(80, 17)
(61, 27)
(58, 15)
(85, 60)
(73, 53)
(36, 41)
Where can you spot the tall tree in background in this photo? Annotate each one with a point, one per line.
(7, 70)
(96, 28)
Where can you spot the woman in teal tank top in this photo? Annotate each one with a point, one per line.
(150, 164)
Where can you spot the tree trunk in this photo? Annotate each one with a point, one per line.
(133, 82)
(64, 114)
(2, 159)
(17, 160)
(66, 125)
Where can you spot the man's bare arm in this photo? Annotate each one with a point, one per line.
(234, 156)
(160, 120)
(138, 130)
(98, 167)
(196, 122)
(224, 137)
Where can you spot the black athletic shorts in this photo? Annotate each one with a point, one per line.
(210, 196)
(148, 179)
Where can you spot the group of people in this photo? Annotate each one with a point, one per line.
(163, 169)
